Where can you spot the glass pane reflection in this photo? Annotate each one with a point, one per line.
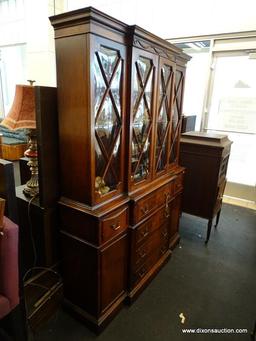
(163, 118)
(176, 115)
(107, 124)
(107, 110)
(99, 85)
(143, 81)
(108, 59)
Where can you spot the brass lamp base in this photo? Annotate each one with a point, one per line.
(30, 192)
(32, 187)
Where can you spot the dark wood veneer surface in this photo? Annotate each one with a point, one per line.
(203, 155)
(103, 234)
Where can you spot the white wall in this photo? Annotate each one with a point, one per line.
(166, 18)
(40, 40)
(170, 18)
(32, 28)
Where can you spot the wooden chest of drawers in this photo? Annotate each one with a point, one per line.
(205, 157)
(154, 231)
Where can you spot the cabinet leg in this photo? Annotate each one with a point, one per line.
(209, 227)
(217, 218)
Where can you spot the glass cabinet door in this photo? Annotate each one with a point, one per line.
(176, 114)
(163, 115)
(108, 78)
(142, 116)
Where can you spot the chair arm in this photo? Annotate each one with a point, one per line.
(9, 273)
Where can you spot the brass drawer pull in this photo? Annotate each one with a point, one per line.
(167, 196)
(165, 233)
(163, 250)
(167, 209)
(144, 209)
(167, 212)
(142, 253)
(116, 226)
(144, 233)
(142, 272)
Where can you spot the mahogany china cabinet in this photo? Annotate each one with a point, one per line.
(120, 91)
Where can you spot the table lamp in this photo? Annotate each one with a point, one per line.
(22, 116)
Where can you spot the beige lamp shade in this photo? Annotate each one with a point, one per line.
(22, 112)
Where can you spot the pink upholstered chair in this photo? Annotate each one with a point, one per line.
(9, 276)
(10, 314)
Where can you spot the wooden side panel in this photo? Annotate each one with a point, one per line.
(77, 223)
(113, 272)
(47, 144)
(80, 274)
(199, 184)
(74, 125)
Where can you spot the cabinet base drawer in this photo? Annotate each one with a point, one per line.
(142, 270)
(158, 240)
(113, 224)
(161, 196)
(137, 288)
(144, 207)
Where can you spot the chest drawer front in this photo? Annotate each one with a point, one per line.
(164, 232)
(178, 183)
(165, 193)
(114, 223)
(220, 192)
(223, 168)
(144, 206)
(142, 270)
(155, 241)
(143, 231)
(143, 252)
